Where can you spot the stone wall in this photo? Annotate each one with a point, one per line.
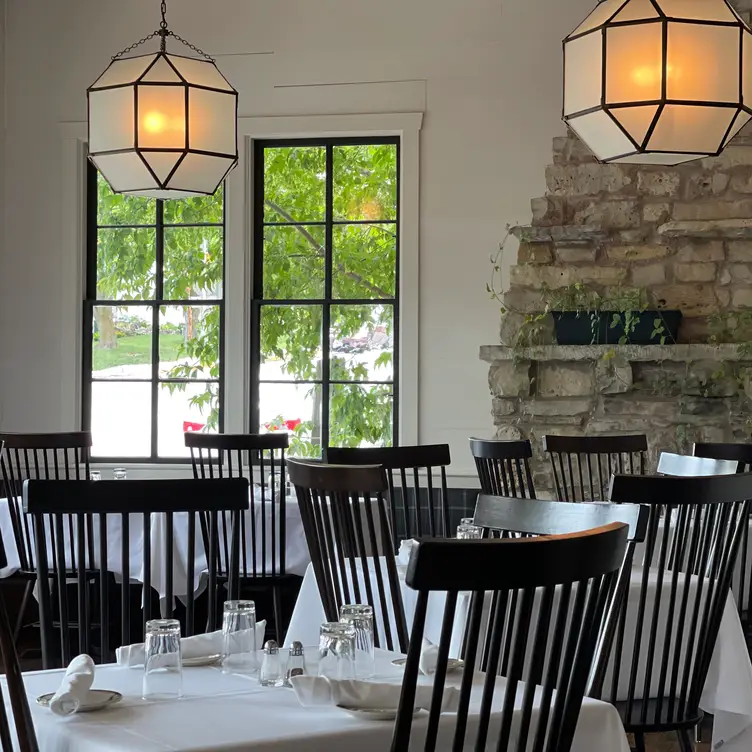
(683, 234)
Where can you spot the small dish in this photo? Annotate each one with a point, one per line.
(374, 714)
(202, 660)
(97, 699)
(453, 664)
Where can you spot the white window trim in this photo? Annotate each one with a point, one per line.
(239, 258)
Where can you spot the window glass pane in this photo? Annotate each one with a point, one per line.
(121, 342)
(126, 264)
(121, 419)
(185, 407)
(193, 263)
(295, 408)
(117, 209)
(295, 184)
(294, 262)
(290, 343)
(364, 258)
(361, 342)
(365, 182)
(189, 342)
(196, 210)
(360, 415)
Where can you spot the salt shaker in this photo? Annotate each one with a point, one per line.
(271, 669)
(295, 663)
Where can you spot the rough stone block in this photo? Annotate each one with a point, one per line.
(501, 407)
(658, 182)
(569, 149)
(740, 272)
(715, 209)
(508, 432)
(703, 407)
(561, 379)
(575, 254)
(692, 300)
(724, 277)
(740, 250)
(648, 276)
(547, 211)
(731, 156)
(586, 179)
(609, 214)
(557, 407)
(600, 275)
(730, 229)
(709, 379)
(742, 298)
(703, 272)
(636, 252)
(524, 275)
(534, 253)
(520, 300)
(656, 212)
(742, 182)
(510, 379)
(724, 297)
(511, 327)
(635, 406)
(702, 185)
(613, 375)
(701, 251)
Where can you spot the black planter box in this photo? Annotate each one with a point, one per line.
(583, 328)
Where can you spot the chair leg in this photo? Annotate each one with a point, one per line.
(639, 741)
(277, 596)
(685, 741)
(28, 590)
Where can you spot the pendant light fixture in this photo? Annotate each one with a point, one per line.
(658, 81)
(163, 125)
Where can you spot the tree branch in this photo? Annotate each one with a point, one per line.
(321, 251)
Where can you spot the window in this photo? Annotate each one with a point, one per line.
(325, 293)
(153, 322)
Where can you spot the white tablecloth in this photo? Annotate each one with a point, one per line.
(235, 714)
(727, 693)
(297, 556)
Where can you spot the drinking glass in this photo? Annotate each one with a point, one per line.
(337, 650)
(163, 665)
(361, 617)
(239, 632)
(95, 475)
(466, 530)
(120, 473)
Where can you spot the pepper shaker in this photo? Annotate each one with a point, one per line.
(271, 669)
(295, 663)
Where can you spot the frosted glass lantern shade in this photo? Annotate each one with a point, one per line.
(163, 125)
(658, 81)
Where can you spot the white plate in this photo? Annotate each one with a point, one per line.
(453, 664)
(97, 699)
(202, 660)
(374, 714)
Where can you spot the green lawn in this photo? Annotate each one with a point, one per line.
(136, 350)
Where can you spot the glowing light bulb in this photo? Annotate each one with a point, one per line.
(154, 122)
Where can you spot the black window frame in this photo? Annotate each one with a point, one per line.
(91, 301)
(257, 298)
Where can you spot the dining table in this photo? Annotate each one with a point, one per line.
(727, 693)
(233, 713)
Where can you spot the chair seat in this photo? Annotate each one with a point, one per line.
(655, 723)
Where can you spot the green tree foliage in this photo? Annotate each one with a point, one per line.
(363, 268)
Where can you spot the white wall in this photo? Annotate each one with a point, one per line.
(486, 73)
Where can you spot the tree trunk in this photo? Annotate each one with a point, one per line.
(106, 328)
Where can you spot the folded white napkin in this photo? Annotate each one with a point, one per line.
(75, 686)
(315, 691)
(406, 546)
(429, 656)
(198, 646)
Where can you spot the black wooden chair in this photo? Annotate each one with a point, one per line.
(72, 517)
(421, 511)
(504, 467)
(348, 530)
(662, 656)
(572, 576)
(263, 541)
(582, 465)
(44, 456)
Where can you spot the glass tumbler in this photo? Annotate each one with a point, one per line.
(337, 650)
(466, 530)
(361, 618)
(163, 664)
(239, 633)
(120, 473)
(95, 475)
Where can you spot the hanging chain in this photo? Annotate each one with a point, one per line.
(163, 32)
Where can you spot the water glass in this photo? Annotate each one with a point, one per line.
(337, 650)
(95, 475)
(119, 473)
(466, 530)
(239, 633)
(163, 665)
(361, 618)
